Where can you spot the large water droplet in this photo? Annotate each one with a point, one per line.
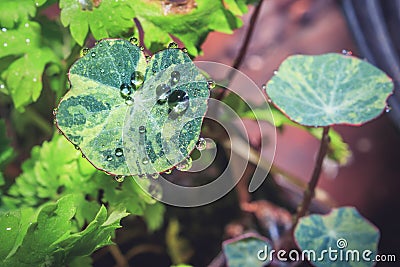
(119, 178)
(201, 144)
(142, 129)
(178, 101)
(175, 77)
(173, 45)
(109, 158)
(125, 90)
(210, 84)
(162, 92)
(137, 80)
(119, 152)
(184, 165)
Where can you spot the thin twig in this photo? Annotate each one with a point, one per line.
(243, 49)
(310, 191)
(118, 256)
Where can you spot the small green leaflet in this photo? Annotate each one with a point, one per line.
(129, 117)
(329, 89)
(343, 230)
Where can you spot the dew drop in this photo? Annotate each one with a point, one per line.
(129, 101)
(142, 129)
(184, 50)
(85, 51)
(175, 77)
(264, 87)
(173, 45)
(3, 29)
(178, 101)
(134, 40)
(201, 144)
(8, 228)
(141, 48)
(347, 52)
(27, 41)
(145, 161)
(102, 70)
(2, 86)
(119, 178)
(26, 25)
(125, 90)
(5, 44)
(184, 165)
(168, 171)
(155, 175)
(137, 80)
(93, 54)
(210, 84)
(77, 147)
(275, 72)
(83, 156)
(388, 109)
(119, 152)
(163, 91)
(109, 158)
(55, 111)
(148, 58)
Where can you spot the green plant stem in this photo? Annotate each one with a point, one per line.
(244, 48)
(310, 191)
(118, 256)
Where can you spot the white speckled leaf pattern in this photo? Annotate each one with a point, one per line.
(329, 89)
(344, 229)
(96, 118)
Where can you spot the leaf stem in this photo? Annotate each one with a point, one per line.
(118, 256)
(244, 48)
(310, 191)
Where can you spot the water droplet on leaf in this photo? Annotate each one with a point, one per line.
(109, 158)
(145, 161)
(178, 101)
(184, 50)
(155, 175)
(5, 44)
(210, 84)
(134, 40)
(125, 90)
(175, 77)
(388, 108)
(3, 29)
(85, 51)
(119, 178)
(142, 129)
(93, 54)
(129, 101)
(137, 80)
(184, 165)
(201, 144)
(264, 87)
(173, 45)
(168, 171)
(55, 111)
(77, 147)
(347, 52)
(119, 152)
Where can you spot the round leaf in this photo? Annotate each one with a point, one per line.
(343, 230)
(114, 115)
(247, 250)
(329, 89)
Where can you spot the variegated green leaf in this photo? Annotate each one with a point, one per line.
(343, 230)
(128, 126)
(329, 89)
(247, 250)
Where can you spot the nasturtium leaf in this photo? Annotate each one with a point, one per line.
(247, 250)
(343, 230)
(329, 89)
(128, 118)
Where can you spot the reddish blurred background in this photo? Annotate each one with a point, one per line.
(371, 179)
